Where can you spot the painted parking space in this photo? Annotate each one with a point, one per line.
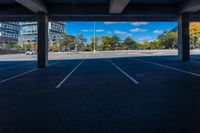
(96, 91)
(173, 63)
(12, 69)
(40, 79)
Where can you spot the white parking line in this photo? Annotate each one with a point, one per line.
(16, 76)
(127, 75)
(65, 79)
(169, 67)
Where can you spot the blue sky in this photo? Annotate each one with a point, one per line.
(137, 30)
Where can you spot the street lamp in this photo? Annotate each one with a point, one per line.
(94, 37)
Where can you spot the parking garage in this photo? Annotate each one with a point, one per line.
(101, 91)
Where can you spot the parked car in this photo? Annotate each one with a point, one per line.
(30, 53)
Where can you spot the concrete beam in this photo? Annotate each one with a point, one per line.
(98, 12)
(17, 12)
(42, 41)
(101, 9)
(114, 18)
(117, 6)
(190, 6)
(183, 37)
(195, 17)
(34, 5)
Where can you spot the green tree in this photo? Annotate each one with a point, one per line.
(144, 45)
(17, 46)
(105, 43)
(96, 40)
(27, 47)
(67, 42)
(129, 43)
(156, 45)
(6, 46)
(168, 39)
(114, 42)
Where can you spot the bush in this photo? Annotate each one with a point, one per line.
(6, 46)
(27, 47)
(53, 48)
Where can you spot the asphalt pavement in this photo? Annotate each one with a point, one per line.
(154, 94)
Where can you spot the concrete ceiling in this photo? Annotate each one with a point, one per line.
(78, 1)
(108, 1)
(101, 9)
(7, 2)
(155, 1)
(100, 1)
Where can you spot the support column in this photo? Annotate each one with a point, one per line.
(183, 37)
(42, 41)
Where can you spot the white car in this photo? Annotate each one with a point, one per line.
(30, 53)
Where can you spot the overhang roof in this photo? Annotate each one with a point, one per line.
(100, 1)
(100, 9)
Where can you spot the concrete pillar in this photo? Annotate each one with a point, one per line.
(183, 37)
(42, 40)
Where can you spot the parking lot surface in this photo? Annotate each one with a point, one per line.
(98, 93)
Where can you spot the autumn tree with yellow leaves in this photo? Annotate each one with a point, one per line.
(195, 34)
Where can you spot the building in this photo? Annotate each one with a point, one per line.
(28, 32)
(9, 33)
(56, 32)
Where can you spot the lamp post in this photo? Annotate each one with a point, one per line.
(94, 37)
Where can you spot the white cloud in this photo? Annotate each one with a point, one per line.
(109, 32)
(100, 30)
(139, 23)
(85, 30)
(109, 22)
(122, 33)
(115, 22)
(158, 31)
(89, 30)
(138, 30)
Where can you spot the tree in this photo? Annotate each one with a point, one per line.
(156, 45)
(105, 43)
(27, 47)
(144, 45)
(17, 46)
(6, 46)
(67, 42)
(168, 39)
(195, 34)
(53, 48)
(96, 40)
(129, 43)
(89, 47)
(80, 40)
(114, 42)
